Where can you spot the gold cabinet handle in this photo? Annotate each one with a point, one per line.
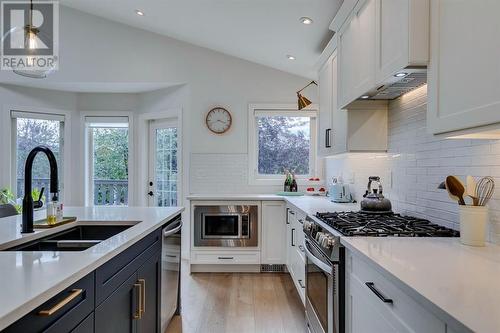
(138, 314)
(142, 304)
(74, 294)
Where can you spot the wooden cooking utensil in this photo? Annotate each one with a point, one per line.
(471, 187)
(456, 189)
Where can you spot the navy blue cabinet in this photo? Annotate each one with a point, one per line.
(61, 313)
(121, 296)
(135, 305)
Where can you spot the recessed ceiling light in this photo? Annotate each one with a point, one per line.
(290, 57)
(139, 12)
(365, 97)
(401, 74)
(306, 20)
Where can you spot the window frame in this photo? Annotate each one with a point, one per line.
(106, 117)
(254, 110)
(13, 112)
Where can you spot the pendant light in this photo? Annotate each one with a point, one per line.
(30, 36)
(302, 100)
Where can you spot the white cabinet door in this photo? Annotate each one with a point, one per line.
(464, 71)
(325, 108)
(392, 37)
(364, 315)
(356, 53)
(339, 116)
(288, 245)
(365, 289)
(273, 250)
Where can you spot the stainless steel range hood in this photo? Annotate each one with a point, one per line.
(404, 81)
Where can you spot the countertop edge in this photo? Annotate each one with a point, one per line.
(17, 313)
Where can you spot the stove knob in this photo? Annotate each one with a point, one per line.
(332, 241)
(307, 226)
(319, 237)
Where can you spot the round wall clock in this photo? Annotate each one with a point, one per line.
(218, 120)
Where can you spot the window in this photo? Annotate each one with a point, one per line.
(281, 139)
(31, 130)
(107, 161)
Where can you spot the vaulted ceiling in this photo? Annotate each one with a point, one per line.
(262, 31)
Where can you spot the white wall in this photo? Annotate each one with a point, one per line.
(418, 162)
(94, 50)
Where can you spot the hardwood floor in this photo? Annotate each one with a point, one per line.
(238, 302)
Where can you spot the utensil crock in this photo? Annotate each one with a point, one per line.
(473, 225)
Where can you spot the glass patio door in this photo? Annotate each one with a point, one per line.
(163, 166)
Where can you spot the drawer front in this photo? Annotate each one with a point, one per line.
(113, 273)
(224, 258)
(86, 326)
(62, 312)
(405, 308)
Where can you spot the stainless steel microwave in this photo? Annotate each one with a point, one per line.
(226, 226)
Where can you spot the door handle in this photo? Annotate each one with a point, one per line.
(136, 296)
(301, 284)
(327, 138)
(150, 193)
(74, 294)
(372, 287)
(142, 304)
(293, 236)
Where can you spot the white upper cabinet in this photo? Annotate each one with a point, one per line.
(464, 71)
(325, 108)
(402, 36)
(356, 48)
(361, 128)
(378, 40)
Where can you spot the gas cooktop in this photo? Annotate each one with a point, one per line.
(366, 224)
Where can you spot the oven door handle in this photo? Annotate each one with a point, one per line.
(324, 267)
(167, 233)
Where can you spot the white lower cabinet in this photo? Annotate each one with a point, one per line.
(294, 249)
(273, 233)
(383, 307)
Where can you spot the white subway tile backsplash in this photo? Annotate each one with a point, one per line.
(222, 174)
(417, 162)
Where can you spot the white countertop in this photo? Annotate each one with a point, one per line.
(312, 204)
(307, 203)
(454, 280)
(237, 197)
(31, 278)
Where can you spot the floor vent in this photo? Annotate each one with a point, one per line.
(273, 268)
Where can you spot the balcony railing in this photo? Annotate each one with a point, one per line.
(110, 192)
(106, 191)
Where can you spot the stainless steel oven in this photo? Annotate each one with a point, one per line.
(324, 280)
(226, 225)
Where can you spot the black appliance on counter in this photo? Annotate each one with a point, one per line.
(325, 258)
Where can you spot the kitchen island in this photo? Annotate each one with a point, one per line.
(34, 277)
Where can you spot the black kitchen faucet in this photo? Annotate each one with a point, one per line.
(28, 203)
